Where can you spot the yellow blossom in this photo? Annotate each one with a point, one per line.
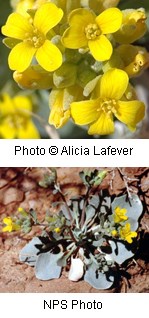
(10, 225)
(126, 234)
(88, 30)
(114, 233)
(60, 100)
(57, 230)
(131, 58)
(135, 58)
(15, 118)
(133, 26)
(119, 215)
(31, 39)
(34, 77)
(98, 112)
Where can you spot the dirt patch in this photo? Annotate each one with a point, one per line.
(19, 187)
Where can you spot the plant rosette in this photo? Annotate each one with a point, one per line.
(91, 236)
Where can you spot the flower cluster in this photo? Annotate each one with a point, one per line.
(82, 52)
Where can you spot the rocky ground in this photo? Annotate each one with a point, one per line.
(19, 187)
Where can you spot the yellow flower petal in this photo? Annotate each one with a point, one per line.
(47, 16)
(28, 131)
(112, 84)
(7, 221)
(73, 38)
(130, 113)
(21, 56)
(17, 26)
(109, 20)
(22, 104)
(84, 112)
(101, 48)
(103, 126)
(81, 16)
(7, 131)
(49, 56)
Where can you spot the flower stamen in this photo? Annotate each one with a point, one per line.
(36, 39)
(92, 31)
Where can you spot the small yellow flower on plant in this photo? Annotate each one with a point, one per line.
(15, 118)
(98, 112)
(133, 26)
(114, 233)
(10, 225)
(126, 234)
(57, 230)
(31, 39)
(88, 30)
(119, 215)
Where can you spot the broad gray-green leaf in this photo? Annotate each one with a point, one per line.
(94, 201)
(134, 208)
(46, 266)
(65, 212)
(119, 252)
(28, 254)
(89, 212)
(100, 281)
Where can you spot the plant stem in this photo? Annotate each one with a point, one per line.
(84, 207)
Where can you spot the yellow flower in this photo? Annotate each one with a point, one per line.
(135, 58)
(15, 118)
(130, 58)
(114, 233)
(57, 230)
(126, 234)
(10, 225)
(119, 215)
(87, 30)
(31, 39)
(34, 77)
(98, 112)
(133, 26)
(60, 100)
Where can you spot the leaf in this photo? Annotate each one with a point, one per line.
(134, 208)
(66, 213)
(95, 200)
(120, 253)
(98, 280)
(90, 212)
(34, 216)
(28, 254)
(46, 266)
(76, 269)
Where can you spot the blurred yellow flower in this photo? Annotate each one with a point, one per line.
(98, 112)
(119, 215)
(88, 30)
(10, 225)
(31, 39)
(126, 234)
(15, 118)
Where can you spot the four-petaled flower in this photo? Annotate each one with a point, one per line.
(126, 234)
(10, 225)
(119, 215)
(32, 38)
(88, 30)
(98, 112)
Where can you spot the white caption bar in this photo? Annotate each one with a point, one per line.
(69, 305)
(74, 153)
